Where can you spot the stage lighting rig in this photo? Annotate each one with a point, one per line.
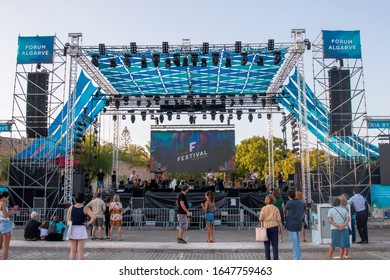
(254, 98)
(126, 100)
(215, 58)
(259, 116)
(148, 103)
(165, 47)
(185, 61)
(138, 102)
(244, 59)
(271, 44)
(169, 114)
(156, 59)
(176, 59)
(133, 47)
(260, 61)
(221, 118)
(213, 114)
(126, 60)
(203, 62)
(223, 99)
(269, 116)
(102, 49)
(144, 63)
(194, 59)
(132, 118)
(232, 102)
(263, 102)
(117, 103)
(206, 48)
(123, 117)
(113, 63)
(250, 117)
(307, 44)
(228, 62)
(167, 62)
(95, 60)
(241, 101)
(239, 114)
(143, 115)
(237, 47)
(277, 57)
(114, 118)
(161, 118)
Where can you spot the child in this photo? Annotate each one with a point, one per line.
(209, 207)
(44, 230)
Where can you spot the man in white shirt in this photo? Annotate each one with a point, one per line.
(359, 203)
(98, 207)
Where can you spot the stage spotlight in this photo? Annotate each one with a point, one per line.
(113, 63)
(213, 114)
(215, 59)
(138, 102)
(66, 47)
(204, 103)
(192, 119)
(244, 59)
(95, 60)
(259, 116)
(123, 117)
(156, 59)
(271, 44)
(278, 108)
(169, 114)
(104, 109)
(308, 44)
(102, 49)
(168, 62)
(126, 60)
(230, 117)
(117, 103)
(166, 101)
(228, 62)
(213, 101)
(185, 61)
(133, 47)
(126, 100)
(143, 115)
(241, 101)
(263, 102)
(250, 117)
(232, 102)
(221, 118)
(223, 99)
(178, 116)
(157, 100)
(269, 116)
(277, 57)
(239, 114)
(254, 98)
(161, 118)
(107, 102)
(260, 61)
(176, 59)
(206, 48)
(114, 118)
(144, 63)
(237, 47)
(148, 103)
(203, 62)
(204, 116)
(194, 59)
(132, 118)
(165, 47)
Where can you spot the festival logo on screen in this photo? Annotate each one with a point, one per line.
(341, 44)
(192, 151)
(37, 49)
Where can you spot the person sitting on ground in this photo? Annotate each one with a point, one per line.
(56, 230)
(43, 230)
(31, 231)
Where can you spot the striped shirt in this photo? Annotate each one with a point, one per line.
(271, 216)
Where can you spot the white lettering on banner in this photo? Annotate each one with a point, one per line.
(339, 48)
(192, 156)
(35, 47)
(26, 53)
(340, 41)
(192, 146)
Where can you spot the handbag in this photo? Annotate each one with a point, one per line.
(261, 233)
(68, 229)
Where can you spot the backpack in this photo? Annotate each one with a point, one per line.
(52, 228)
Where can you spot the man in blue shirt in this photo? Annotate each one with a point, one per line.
(294, 213)
(359, 203)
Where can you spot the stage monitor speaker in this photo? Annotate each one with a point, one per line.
(340, 102)
(39, 202)
(36, 110)
(384, 158)
(233, 193)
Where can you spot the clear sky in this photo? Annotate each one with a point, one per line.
(151, 22)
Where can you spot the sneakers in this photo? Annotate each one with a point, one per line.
(336, 257)
(181, 240)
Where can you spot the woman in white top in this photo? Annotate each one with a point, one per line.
(5, 223)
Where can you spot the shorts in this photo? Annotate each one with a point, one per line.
(5, 226)
(99, 222)
(209, 217)
(183, 221)
(100, 184)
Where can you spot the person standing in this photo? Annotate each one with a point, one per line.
(299, 196)
(113, 181)
(270, 217)
(107, 216)
(98, 207)
(361, 207)
(267, 182)
(182, 213)
(209, 208)
(100, 180)
(78, 214)
(87, 183)
(5, 223)
(116, 218)
(338, 218)
(279, 203)
(294, 213)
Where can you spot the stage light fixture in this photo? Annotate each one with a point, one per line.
(221, 118)
(66, 47)
(95, 60)
(192, 119)
(241, 101)
(102, 49)
(144, 63)
(237, 47)
(278, 108)
(166, 101)
(156, 100)
(194, 59)
(215, 58)
(308, 44)
(185, 61)
(239, 114)
(148, 103)
(223, 99)
(104, 109)
(165, 47)
(213, 114)
(126, 60)
(244, 59)
(232, 102)
(277, 57)
(260, 61)
(161, 118)
(250, 117)
(143, 115)
(269, 116)
(203, 62)
(113, 63)
(138, 102)
(123, 117)
(259, 116)
(117, 103)
(228, 62)
(213, 102)
(204, 103)
(230, 117)
(206, 48)
(156, 59)
(169, 114)
(133, 47)
(178, 116)
(263, 102)
(114, 118)
(254, 98)
(132, 118)
(167, 62)
(176, 59)
(126, 100)
(204, 116)
(271, 44)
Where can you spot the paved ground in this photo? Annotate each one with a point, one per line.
(152, 243)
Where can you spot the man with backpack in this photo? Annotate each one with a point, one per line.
(56, 230)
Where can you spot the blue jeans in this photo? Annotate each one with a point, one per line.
(273, 239)
(294, 237)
